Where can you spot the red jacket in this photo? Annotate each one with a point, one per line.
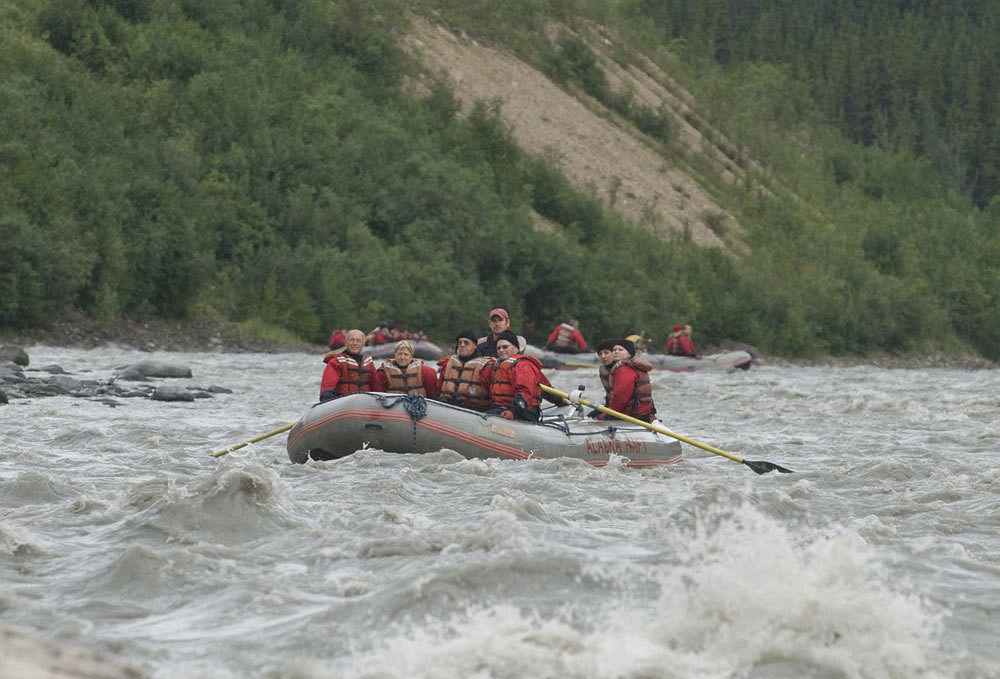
(428, 380)
(680, 345)
(516, 376)
(570, 336)
(345, 374)
(337, 339)
(686, 345)
(631, 392)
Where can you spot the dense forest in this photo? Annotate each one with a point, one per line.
(259, 160)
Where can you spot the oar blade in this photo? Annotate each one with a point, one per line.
(763, 467)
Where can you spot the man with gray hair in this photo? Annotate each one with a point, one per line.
(347, 372)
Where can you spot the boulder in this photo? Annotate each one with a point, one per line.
(172, 394)
(54, 369)
(11, 372)
(3, 398)
(9, 352)
(66, 383)
(150, 368)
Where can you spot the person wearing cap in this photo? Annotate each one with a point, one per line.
(516, 393)
(405, 374)
(347, 372)
(499, 322)
(631, 393)
(465, 377)
(566, 338)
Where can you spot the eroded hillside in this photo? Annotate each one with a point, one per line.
(595, 147)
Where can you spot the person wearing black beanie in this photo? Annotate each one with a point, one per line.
(465, 377)
(469, 335)
(631, 392)
(627, 345)
(516, 393)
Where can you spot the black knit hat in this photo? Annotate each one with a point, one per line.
(606, 345)
(628, 344)
(467, 334)
(510, 337)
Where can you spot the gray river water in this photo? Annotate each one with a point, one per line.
(880, 557)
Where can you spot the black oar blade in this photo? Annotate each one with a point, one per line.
(763, 467)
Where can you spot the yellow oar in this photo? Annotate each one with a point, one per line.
(255, 439)
(759, 466)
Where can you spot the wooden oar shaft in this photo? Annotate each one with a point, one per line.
(255, 439)
(647, 425)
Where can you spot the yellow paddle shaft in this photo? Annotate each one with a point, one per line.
(255, 439)
(647, 425)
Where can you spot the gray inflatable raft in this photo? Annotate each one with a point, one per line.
(727, 361)
(412, 424)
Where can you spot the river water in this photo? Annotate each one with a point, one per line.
(880, 557)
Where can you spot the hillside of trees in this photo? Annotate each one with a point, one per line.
(262, 161)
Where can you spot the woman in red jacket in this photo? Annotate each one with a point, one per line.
(405, 374)
(631, 392)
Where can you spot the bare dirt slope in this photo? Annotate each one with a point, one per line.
(593, 146)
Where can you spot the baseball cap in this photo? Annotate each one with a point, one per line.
(502, 313)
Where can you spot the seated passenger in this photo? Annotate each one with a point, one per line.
(515, 393)
(566, 338)
(679, 343)
(405, 374)
(381, 334)
(606, 355)
(337, 340)
(631, 392)
(465, 377)
(499, 322)
(347, 372)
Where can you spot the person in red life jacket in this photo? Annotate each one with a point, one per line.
(347, 372)
(405, 374)
(631, 392)
(499, 322)
(683, 346)
(515, 393)
(337, 340)
(672, 345)
(465, 377)
(566, 338)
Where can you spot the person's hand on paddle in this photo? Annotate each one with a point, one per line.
(507, 415)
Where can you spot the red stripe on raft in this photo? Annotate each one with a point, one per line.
(459, 434)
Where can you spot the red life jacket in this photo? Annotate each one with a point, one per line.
(564, 336)
(462, 384)
(640, 405)
(504, 390)
(407, 380)
(674, 346)
(354, 378)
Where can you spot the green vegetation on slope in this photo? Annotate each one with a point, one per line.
(258, 161)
